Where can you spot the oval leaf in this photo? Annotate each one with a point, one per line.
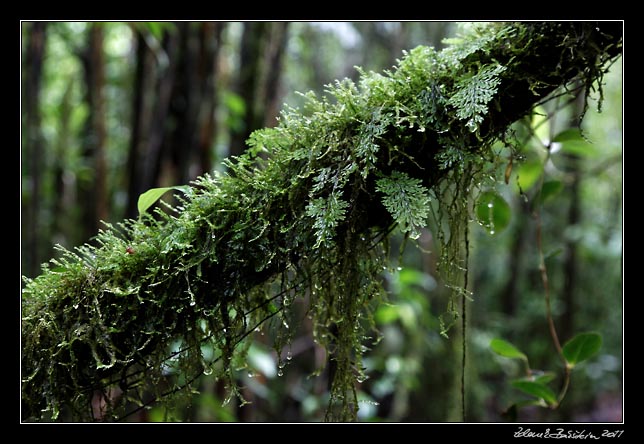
(569, 134)
(536, 389)
(493, 212)
(581, 347)
(544, 377)
(550, 189)
(528, 173)
(505, 349)
(147, 199)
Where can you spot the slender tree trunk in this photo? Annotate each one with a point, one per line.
(32, 146)
(152, 164)
(173, 109)
(279, 39)
(93, 192)
(61, 226)
(210, 39)
(191, 121)
(142, 107)
(181, 124)
(248, 81)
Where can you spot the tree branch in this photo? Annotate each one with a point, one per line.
(292, 213)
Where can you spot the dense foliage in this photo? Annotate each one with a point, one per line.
(305, 213)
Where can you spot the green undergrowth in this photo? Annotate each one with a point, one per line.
(305, 213)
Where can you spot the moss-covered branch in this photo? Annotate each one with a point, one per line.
(301, 214)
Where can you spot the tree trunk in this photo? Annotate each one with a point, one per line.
(277, 47)
(248, 82)
(93, 190)
(144, 81)
(61, 223)
(210, 43)
(32, 140)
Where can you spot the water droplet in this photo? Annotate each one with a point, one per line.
(75, 306)
(207, 371)
(251, 375)
(289, 356)
(399, 268)
(490, 205)
(285, 324)
(192, 303)
(280, 372)
(491, 231)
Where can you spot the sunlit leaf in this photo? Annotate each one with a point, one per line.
(147, 199)
(528, 173)
(536, 389)
(581, 347)
(505, 349)
(540, 123)
(579, 148)
(386, 314)
(567, 135)
(262, 361)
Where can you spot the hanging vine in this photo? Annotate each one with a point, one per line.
(305, 213)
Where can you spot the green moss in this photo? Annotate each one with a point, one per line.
(305, 213)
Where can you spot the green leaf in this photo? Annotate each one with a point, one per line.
(535, 389)
(572, 142)
(569, 134)
(386, 314)
(579, 148)
(528, 173)
(507, 350)
(157, 28)
(147, 199)
(550, 189)
(493, 212)
(544, 377)
(581, 347)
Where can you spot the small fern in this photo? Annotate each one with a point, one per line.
(474, 93)
(406, 200)
(328, 213)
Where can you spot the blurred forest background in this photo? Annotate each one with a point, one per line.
(110, 110)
